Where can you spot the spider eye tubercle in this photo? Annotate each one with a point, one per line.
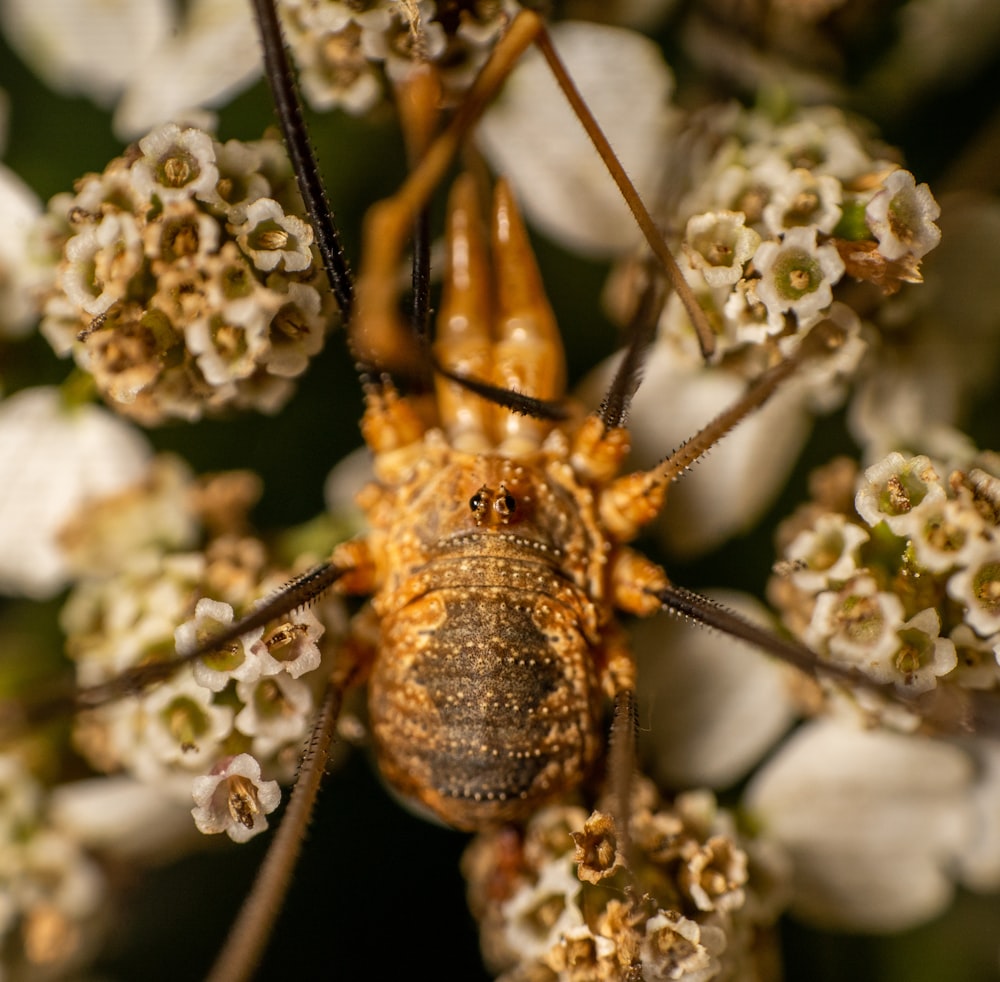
(479, 504)
(504, 504)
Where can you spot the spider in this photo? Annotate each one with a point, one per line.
(485, 497)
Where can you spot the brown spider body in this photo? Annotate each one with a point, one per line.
(484, 695)
(491, 571)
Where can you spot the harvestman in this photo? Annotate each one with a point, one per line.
(510, 497)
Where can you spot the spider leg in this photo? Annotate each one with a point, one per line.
(250, 932)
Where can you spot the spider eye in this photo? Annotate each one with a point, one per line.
(479, 502)
(505, 504)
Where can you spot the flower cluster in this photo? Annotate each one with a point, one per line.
(897, 572)
(561, 902)
(183, 281)
(229, 724)
(344, 50)
(778, 212)
(51, 892)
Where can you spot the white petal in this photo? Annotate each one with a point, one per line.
(872, 821)
(52, 460)
(122, 816)
(88, 46)
(531, 135)
(713, 706)
(215, 55)
(19, 208)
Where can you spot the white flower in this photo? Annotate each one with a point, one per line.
(268, 237)
(901, 216)
(827, 552)
(527, 933)
(703, 509)
(872, 820)
(233, 799)
(229, 343)
(176, 164)
(720, 245)
(99, 262)
(52, 460)
(856, 624)
(797, 276)
(296, 331)
(802, 199)
(977, 588)
(719, 705)
(676, 947)
(185, 70)
(978, 659)
(946, 536)
(183, 724)
(531, 135)
(901, 492)
(276, 712)
(246, 659)
(293, 645)
(121, 817)
(88, 46)
(923, 657)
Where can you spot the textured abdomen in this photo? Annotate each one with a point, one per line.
(483, 699)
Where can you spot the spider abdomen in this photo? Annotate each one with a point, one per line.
(484, 698)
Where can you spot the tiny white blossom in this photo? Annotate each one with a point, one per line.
(977, 588)
(276, 711)
(923, 657)
(89, 279)
(183, 724)
(797, 276)
(269, 237)
(804, 199)
(296, 330)
(294, 647)
(233, 799)
(531, 936)
(676, 947)
(901, 216)
(978, 658)
(229, 344)
(176, 164)
(827, 552)
(531, 135)
(856, 624)
(88, 46)
(720, 245)
(899, 491)
(189, 57)
(245, 660)
(718, 707)
(121, 817)
(946, 536)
